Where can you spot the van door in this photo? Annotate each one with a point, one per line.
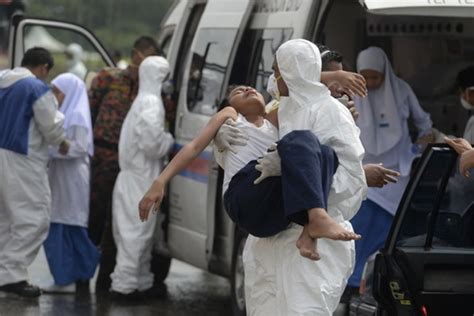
(192, 193)
(427, 264)
(56, 36)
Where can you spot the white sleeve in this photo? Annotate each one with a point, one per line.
(78, 141)
(336, 128)
(421, 119)
(151, 135)
(49, 119)
(219, 156)
(469, 131)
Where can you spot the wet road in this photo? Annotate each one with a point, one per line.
(190, 292)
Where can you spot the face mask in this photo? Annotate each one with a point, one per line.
(272, 87)
(468, 106)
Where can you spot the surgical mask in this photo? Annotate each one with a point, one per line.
(468, 106)
(272, 87)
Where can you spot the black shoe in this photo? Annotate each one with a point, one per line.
(22, 289)
(159, 290)
(121, 297)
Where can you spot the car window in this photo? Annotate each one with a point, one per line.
(455, 221)
(423, 204)
(210, 59)
(72, 52)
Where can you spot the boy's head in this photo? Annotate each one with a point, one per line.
(331, 59)
(465, 82)
(246, 100)
(39, 61)
(142, 48)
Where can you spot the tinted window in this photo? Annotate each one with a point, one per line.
(455, 222)
(210, 59)
(423, 205)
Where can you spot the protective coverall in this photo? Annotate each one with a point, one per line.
(75, 64)
(143, 144)
(29, 121)
(278, 280)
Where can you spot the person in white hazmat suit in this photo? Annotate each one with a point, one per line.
(74, 55)
(143, 145)
(29, 122)
(278, 281)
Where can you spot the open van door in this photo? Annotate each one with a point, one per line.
(427, 264)
(192, 193)
(55, 36)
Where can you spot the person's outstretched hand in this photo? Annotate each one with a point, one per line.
(464, 149)
(350, 83)
(466, 162)
(228, 136)
(151, 200)
(269, 165)
(377, 176)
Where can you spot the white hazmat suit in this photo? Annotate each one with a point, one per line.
(278, 280)
(29, 121)
(76, 66)
(143, 144)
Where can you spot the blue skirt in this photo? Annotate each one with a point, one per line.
(373, 223)
(70, 253)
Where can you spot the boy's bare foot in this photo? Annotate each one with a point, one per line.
(307, 245)
(321, 225)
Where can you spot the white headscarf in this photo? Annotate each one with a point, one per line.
(299, 62)
(379, 120)
(75, 105)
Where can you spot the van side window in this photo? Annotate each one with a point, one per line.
(210, 59)
(270, 41)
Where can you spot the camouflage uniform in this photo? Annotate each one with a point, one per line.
(111, 95)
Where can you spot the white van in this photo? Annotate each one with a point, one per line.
(213, 43)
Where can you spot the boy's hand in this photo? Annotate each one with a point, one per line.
(378, 176)
(151, 200)
(64, 147)
(269, 165)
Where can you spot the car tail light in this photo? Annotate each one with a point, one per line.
(424, 311)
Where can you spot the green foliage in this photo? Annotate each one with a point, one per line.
(117, 23)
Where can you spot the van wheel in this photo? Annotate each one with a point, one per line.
(160, 266)
(237, 278)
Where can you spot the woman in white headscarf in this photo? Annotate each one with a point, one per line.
(278, 281)
(383, 123)
(71, 255)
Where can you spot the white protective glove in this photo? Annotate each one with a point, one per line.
(228, 136)
(269, 165)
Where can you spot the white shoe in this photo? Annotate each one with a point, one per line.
(53, 288)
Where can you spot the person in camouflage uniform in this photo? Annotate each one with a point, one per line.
(111, 95)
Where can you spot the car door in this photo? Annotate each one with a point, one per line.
(192, 193)
(427, 264)
(56, 36)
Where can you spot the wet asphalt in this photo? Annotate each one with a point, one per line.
(190, 292)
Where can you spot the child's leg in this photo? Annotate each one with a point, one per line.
(307, 245)
(307, 171)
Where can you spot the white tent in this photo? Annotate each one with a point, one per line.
(39, 36)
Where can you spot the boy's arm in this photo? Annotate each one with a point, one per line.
(350, 83)
(190, 151)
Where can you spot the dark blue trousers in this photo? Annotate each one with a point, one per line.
(267, 208)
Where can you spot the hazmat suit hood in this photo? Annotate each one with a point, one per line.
(152, 72)
(299, 62)
(75, 64)
(10, 76)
